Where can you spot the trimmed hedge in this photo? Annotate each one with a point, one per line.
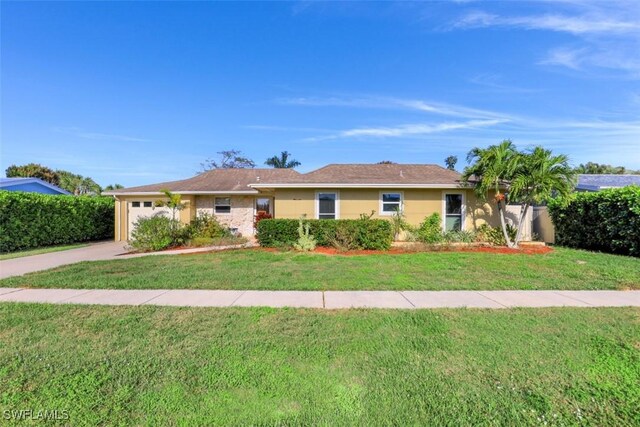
(31, 220)
(368, 233)
(607, 221)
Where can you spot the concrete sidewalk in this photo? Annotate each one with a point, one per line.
(326, 300)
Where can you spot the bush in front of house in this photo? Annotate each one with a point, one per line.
(494, 235)
(373, 234)
(32, 220)
(155, 233)
(430, 230)
(607, 221)
(206, 226)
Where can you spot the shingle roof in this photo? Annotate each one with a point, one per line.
(246, 180)
(589, 182)
(217, 180)
(371, 174)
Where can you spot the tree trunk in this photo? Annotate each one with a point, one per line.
(503, 224)
(523, 214)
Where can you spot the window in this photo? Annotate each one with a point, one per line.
(390, 203)
(135, 204)
(326, 205)
(148, 204)
(263, 204)
(453, 212)
(222, 205)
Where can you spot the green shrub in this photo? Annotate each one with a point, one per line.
(494, 235)
(155, 233)
(369, 233)
(31, 220)
(430, 230)
(207, 226)
(607, 221)
(459, 236)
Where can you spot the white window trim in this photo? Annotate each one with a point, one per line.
(222, 213)
(337, 193)
(381, 212)
(463, 210)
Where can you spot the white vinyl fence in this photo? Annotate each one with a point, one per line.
(542, 225)
(512, 213)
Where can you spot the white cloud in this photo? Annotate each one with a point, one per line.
(566, 57)
(583, 24)
(407, 130)
(80, 133)
(374, 102)
(607, 33)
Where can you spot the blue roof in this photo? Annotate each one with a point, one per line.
(588, 182)
(8, 183)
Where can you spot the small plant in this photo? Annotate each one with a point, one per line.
(430, 230)
(494, 235)
(459, 236)
(306, 242)
(366, 217)
(398, 224)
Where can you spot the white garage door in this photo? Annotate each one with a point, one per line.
(138, 209)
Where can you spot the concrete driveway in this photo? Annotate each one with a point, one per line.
(28, 264)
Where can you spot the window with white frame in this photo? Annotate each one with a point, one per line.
(222, 205)
(453, 208)
(327, 205)
(390, 203)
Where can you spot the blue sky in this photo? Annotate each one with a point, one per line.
(137, 93)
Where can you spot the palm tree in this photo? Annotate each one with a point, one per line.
(540, 176)
(282, 161)
(451, 162)
(490, 169)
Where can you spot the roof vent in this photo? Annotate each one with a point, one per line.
(257, 179)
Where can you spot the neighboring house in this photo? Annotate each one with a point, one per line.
(340, 191)
(30, 185)
(588, 182)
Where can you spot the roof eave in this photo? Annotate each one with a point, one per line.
(159, 193)
(357, 185)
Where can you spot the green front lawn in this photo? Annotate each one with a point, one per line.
(38, 251)
(185, 366)
(258, 269)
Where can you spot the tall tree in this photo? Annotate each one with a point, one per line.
(282, 161)
(113, 187)
(33, 170)
(229, 159)
(489, 169)
(451, 162)
(601, 168)
(77, 184)
(539, 177)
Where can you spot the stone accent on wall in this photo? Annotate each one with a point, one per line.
(241, 216)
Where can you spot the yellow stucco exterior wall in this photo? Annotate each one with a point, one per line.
(417, 204)
(122, 205)
(292, 203)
